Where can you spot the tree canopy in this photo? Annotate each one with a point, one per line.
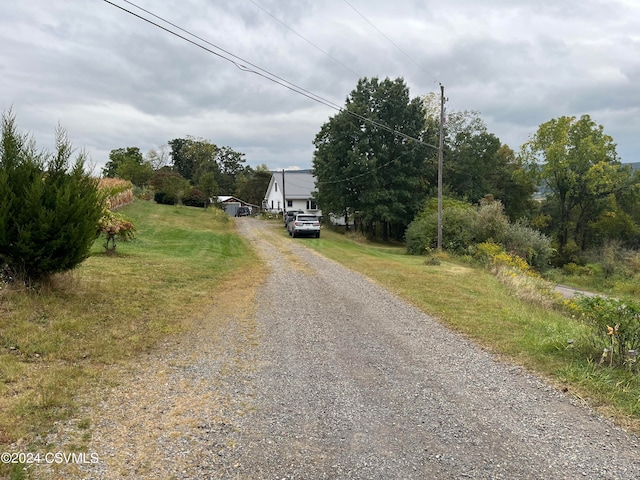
(193, 157)
(128, 164)
(361, 166)
(577, 165)
(476, 163)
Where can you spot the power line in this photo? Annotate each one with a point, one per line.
(257, 70)
(391, 41)
(328, 182)
(286, 84)
(306, 40)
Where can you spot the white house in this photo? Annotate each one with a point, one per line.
(291, 190)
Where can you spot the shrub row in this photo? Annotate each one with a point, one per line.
(464, 226)
(194, 198)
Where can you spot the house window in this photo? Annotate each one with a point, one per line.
(289, 203)
(276, 185)
(271, 204)
(311, 205)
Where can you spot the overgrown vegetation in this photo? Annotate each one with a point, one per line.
(614, 338)
(610, 270)
(465, 226)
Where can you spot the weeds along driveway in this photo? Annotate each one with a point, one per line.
(316, 372)
(355, 383)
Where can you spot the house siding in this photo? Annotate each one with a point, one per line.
(298, 190)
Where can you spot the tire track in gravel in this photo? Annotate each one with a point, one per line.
(352, 382)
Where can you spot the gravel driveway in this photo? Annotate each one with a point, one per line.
(333, 377)
(355, 383)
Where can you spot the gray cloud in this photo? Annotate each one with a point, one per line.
(113, 81)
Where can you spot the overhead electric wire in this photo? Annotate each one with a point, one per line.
(326, 182)
(267, 75)
(306, 39)
(391, 41)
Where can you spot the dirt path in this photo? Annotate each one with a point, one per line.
(328, 375)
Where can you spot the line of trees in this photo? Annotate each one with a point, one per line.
(363, 171)
(190, 171)
(384, 179)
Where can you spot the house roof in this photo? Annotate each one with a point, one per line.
(297, 183)
(232, 199)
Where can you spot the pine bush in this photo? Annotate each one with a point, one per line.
(49, 207)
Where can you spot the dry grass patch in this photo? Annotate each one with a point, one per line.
(60, 340)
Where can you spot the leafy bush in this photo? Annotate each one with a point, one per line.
(170, 187)
(465, 226)
(528, 243)
(457, 235)
(490, 223)
(616, 326)
(195, 198)
(164, 198)
(573, 268)
(49, 209)
(115, 226)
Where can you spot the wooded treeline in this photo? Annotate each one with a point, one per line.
(190, 171)
(585, 195)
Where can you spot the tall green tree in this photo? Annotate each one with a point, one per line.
(477, 164)
(128, 163)
(194, 157)
(120, 156)
(362, 166)
(230, 165)
(578, 165)
(182, 157)
(251, 184)
(208, 185)
(49, 207)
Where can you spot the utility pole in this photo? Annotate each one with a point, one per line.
(284, 197)
(440, 155)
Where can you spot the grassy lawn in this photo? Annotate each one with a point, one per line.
(472, 301)
(61, 339)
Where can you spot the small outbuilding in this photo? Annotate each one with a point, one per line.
(230, 204)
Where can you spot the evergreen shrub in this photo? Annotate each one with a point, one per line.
(49, 207)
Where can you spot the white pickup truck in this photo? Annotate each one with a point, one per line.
(304, 224)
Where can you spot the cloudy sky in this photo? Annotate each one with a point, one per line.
(113, 80)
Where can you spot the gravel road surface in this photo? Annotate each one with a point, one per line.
(355, 383)
(333, 377)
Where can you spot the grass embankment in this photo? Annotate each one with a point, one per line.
(471, 300)
(60, 340)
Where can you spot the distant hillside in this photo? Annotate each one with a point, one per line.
(635, 166)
